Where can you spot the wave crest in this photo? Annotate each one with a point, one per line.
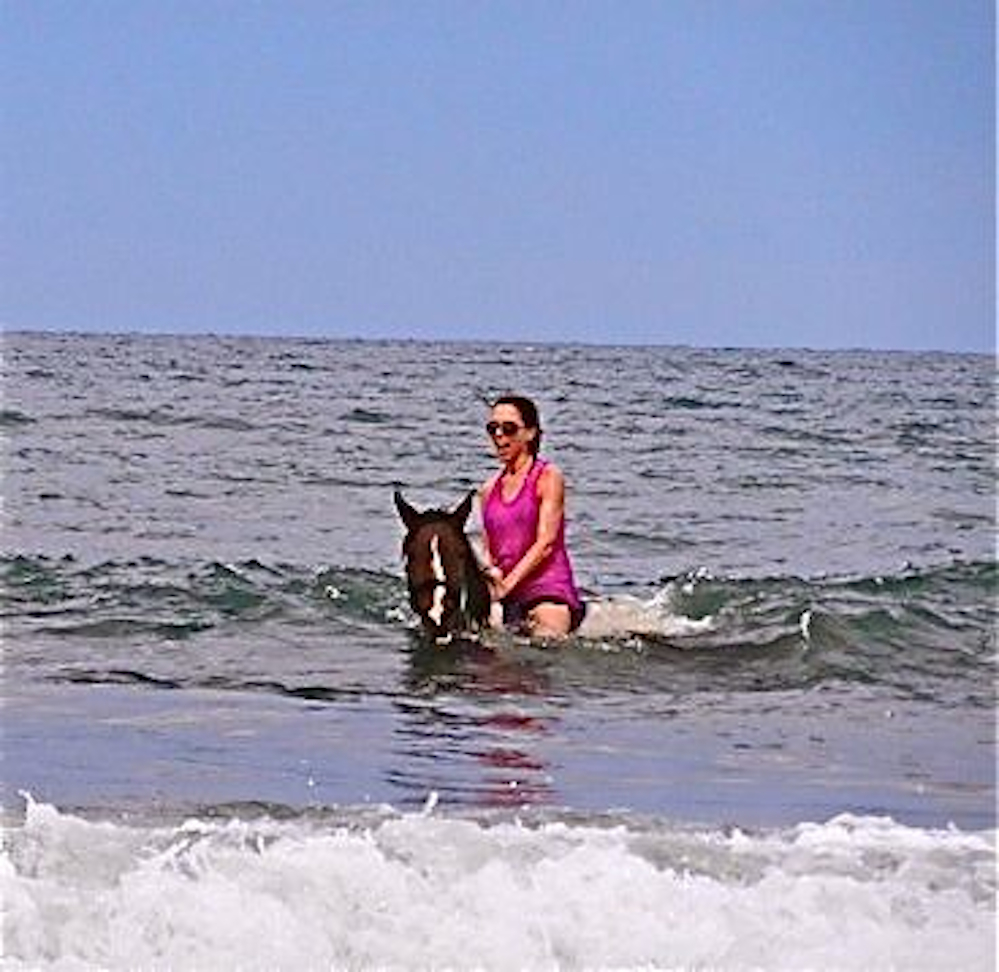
(375, 888)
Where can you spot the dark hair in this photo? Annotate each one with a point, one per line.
(528, 412)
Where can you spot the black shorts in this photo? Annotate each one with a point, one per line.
(515, 612)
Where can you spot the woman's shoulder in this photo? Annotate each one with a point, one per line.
(549, 475)
(547, 467)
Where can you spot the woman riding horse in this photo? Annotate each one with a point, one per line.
(523, 517)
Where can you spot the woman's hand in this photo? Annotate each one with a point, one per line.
(497, 587)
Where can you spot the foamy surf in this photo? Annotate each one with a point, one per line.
(366, 888)
(623, 615)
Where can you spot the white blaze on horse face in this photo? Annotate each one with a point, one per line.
(436, 612)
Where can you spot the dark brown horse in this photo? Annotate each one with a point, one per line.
(446, 585)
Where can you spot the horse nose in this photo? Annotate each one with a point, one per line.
(437, 634)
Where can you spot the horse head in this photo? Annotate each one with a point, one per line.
(446, 586)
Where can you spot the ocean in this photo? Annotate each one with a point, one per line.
(225, 746)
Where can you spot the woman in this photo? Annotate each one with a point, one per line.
(523, 517)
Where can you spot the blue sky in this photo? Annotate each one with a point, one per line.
(796, 173)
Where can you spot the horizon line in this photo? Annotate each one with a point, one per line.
(73, 331)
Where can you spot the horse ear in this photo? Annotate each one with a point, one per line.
(465, 507)
(409, 516)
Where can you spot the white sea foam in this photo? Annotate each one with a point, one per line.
(400, 891)
(622, 615)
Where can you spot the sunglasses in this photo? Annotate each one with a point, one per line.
(506, 428)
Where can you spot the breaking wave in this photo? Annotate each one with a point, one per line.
(371, 887)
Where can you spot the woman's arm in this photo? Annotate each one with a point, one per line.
(493, 573)
(551, 510)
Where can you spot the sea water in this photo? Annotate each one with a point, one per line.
(224, 745)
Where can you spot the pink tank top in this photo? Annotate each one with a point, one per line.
(511, 529)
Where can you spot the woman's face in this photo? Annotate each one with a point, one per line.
(508, 433)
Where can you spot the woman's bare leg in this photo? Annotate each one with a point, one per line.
(549, 620)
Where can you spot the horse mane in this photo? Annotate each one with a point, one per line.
(479, 600)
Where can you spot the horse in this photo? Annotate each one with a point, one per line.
(447, 587)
